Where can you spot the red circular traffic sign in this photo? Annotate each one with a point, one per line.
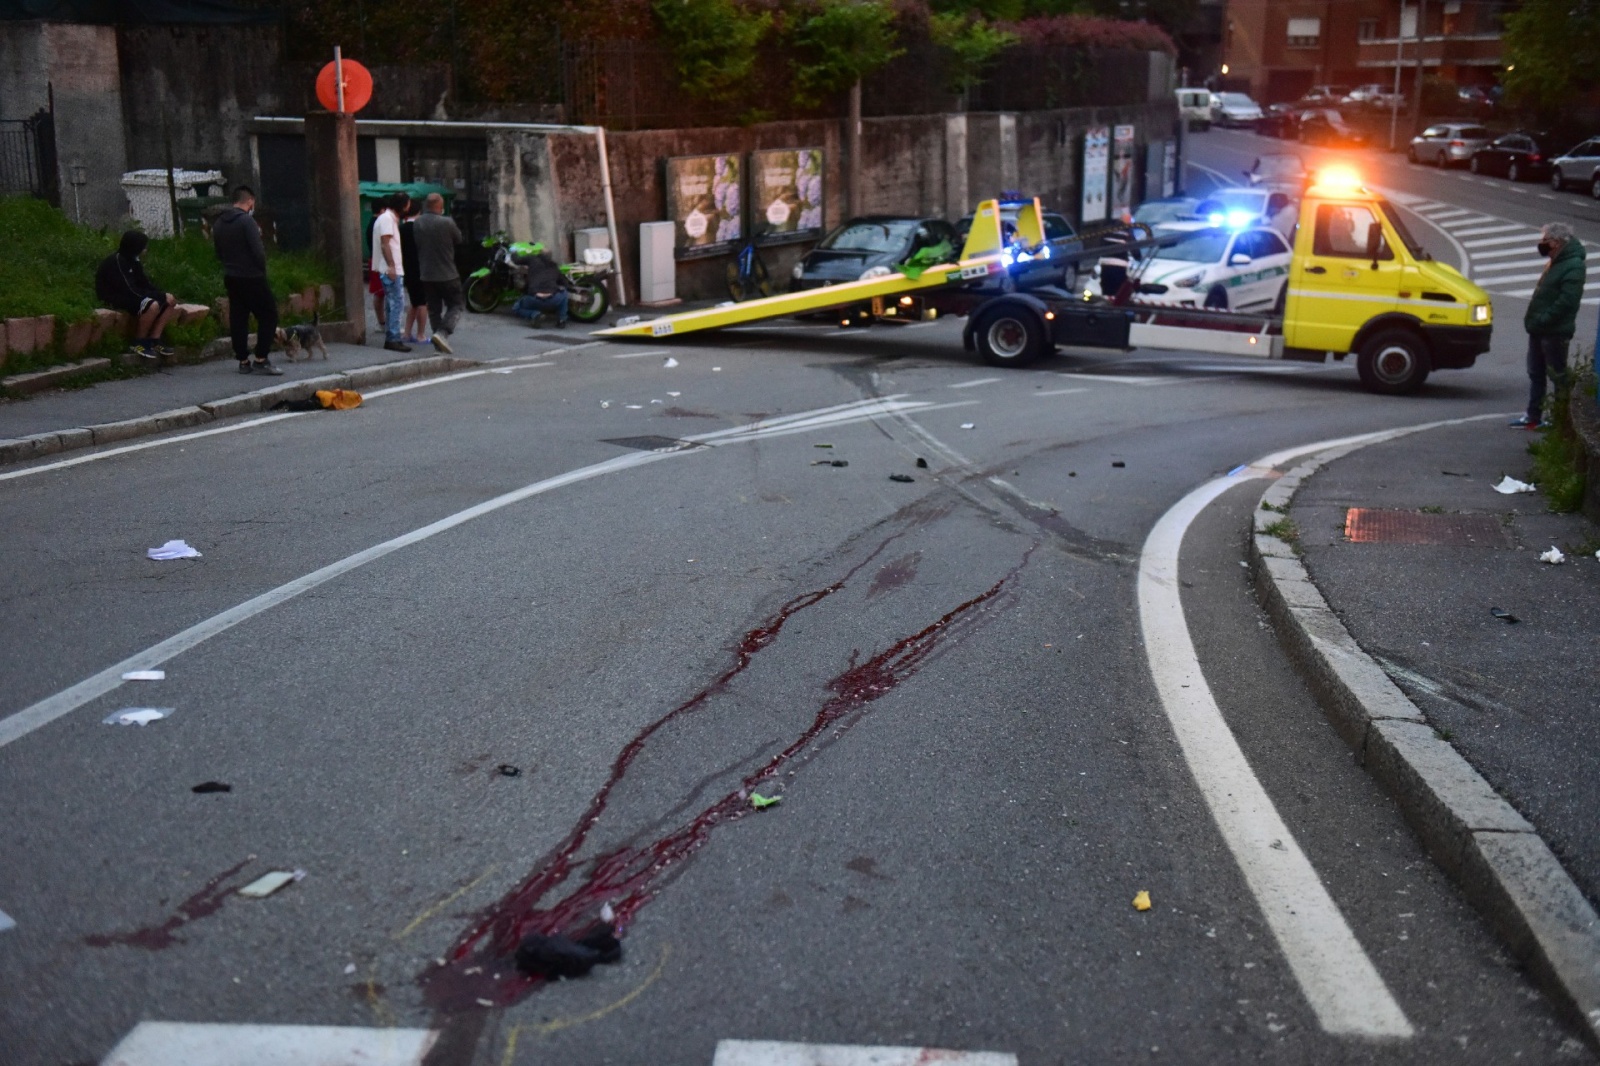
(357, 87)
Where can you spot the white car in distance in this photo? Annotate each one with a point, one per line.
(1234, 109)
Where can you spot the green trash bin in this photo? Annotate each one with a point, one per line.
(373, 191)
(198, 211)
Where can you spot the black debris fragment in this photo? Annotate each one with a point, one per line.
(830, 462)
(1454, 473)
(505, 769)
(211, 786)
(1504, 615)
(922, 464)
(1118, 463)
(907, 478)
(559, 956)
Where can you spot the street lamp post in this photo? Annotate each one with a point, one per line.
(1394, 97)
(1416, 118)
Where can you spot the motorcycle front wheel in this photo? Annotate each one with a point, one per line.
(484, 294)
(588, 303)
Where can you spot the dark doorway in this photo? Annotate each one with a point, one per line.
(285, 194)
(461, 165)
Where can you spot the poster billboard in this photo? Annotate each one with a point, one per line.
(786, 194)
(1122, 173)
(1096, 171)
(704, 202)
(1169, 170)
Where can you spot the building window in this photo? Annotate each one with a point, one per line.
(1305, 33)
(1367, 30)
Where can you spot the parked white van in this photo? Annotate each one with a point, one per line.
(1195, 105)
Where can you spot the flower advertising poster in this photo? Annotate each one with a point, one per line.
(1122, 173)
(786, 200)
(1096, 172)
(704, 203)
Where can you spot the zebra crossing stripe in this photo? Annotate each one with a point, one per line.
(1523, 264)
(776, 1053)
(202, 1044)
(1500, 253)
(1479, 220)
(1486, 242)
(1438, 216)
(1483, 231)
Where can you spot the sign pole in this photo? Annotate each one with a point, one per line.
(338, 75)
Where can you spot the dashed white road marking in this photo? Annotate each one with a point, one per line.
(638, 355)
(199, 1044)
(1481, 231)
(1060, 392)
(776, 1053)
(974, 383)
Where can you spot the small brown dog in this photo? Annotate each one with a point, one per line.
(305, 338)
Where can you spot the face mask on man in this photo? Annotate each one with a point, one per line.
(1545, 249)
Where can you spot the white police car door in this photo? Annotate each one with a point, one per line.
(1255, 285)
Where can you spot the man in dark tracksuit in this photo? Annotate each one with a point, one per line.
(1552, 317)
(244, 275)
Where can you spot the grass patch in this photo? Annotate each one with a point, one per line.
(1432, 508)
(1285, 530)
(1558, 463)
(49, 264)
(1273, 508)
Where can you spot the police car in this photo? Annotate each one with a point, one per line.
(1242, 269)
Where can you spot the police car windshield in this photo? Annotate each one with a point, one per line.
(864, 236)
(1205, 246)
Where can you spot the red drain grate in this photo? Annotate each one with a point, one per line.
(1369, 525)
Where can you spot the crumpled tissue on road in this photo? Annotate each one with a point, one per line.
(173, 549)
(1509, 485)
(669, 364)
(1553, 556)
(267, 884)
(138, 715)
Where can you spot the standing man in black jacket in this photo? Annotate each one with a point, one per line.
(244, 274)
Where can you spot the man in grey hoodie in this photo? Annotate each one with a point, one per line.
(244, 274)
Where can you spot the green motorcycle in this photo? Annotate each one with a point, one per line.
(505, 275)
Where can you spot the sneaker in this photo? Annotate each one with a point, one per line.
(441, 344)
(561, 323)
(396, 346)
(263, 366)
(244, 366)
(166, 351)
(1523, 422)
(146, 351)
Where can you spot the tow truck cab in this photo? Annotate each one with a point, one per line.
(1360, 282)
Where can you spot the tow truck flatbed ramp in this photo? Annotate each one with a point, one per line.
(984, 256)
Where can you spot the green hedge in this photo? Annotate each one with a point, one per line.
(49, 262)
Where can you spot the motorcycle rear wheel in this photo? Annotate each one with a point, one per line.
(589, 303)
(484, 295)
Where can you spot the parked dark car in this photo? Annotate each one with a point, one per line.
(1281, 120)
(1519, 156)
(1058, 234)
(871, 245)
(1327, 127)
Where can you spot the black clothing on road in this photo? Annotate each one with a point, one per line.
(237, 239)
(246, 297)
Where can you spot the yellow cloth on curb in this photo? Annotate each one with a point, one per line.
(338, 399)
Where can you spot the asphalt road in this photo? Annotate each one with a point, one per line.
(947, 682)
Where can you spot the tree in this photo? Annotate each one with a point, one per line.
(969, 45)
(714, 43)
(840, 43)
(1552, 51)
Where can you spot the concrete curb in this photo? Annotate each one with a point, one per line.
(246, 403)
(1496, 858)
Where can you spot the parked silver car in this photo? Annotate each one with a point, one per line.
(1448, 144)
(1234, 109)
(1579, 167)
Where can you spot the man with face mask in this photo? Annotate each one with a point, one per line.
(1552, 317)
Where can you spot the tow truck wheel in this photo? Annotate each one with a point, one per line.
(1394, 363)
(1011, 336)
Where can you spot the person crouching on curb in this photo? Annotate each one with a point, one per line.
(1552, 317)
(547, 290)
(121, 284)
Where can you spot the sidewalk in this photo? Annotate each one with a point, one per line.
(216, 389)
(1411, 549)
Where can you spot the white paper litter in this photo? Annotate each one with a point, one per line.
(350, 968)
(267, 884)
(634, 406)
(674, 394)
(6, 922)
(173, 549)
(605, 403)
(1509, 485)
(1553, 556)
(716, 370)
(145, 675)
(607, 915)
(969, 425)
(669, 364)
(138, 715)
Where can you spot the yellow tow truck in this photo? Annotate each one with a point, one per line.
(1358, 283)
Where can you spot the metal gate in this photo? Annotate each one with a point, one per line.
(28, 157)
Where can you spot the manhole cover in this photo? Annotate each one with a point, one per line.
(652, 444)
(1370, 525)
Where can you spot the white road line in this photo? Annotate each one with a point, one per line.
(1483, 231)
(1219, 175)
(1455, 224)
(1061, 392)
(1440, 216)
(1117, 379)
(198, 1044)
(1340, 983)
(1516, 279)
(777, 1053)
(1487, 242)
(47, 710)
(974, 383)
(639, 355)
(1501, 253)
(1521, 264)
(1547, 196)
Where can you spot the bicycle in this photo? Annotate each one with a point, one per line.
(747, 275)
